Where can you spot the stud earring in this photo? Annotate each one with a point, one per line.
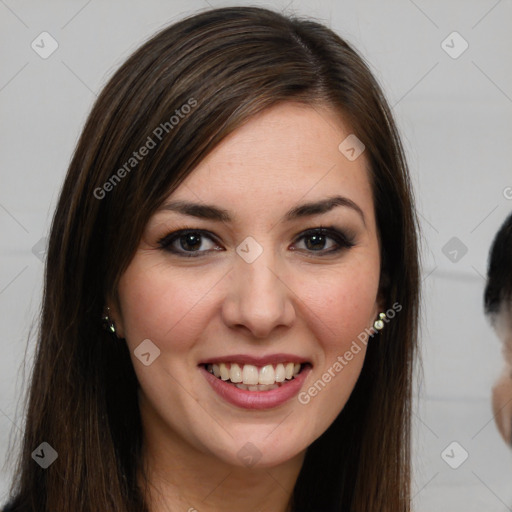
(379, 324)
(108, 323)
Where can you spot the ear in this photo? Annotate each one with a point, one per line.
(116, 316)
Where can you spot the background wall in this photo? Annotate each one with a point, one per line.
(452, 97)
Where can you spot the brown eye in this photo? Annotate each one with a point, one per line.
(186, 242)
(316, 240)
(191, 242)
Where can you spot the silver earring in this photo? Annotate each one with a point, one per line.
(108, 323)
(379, 324)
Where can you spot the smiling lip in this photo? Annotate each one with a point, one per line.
(257, 399)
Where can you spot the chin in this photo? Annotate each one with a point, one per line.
(257, 447)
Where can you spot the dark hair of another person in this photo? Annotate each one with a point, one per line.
(82, 398)
(498, 289)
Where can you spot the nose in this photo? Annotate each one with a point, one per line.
(258, 298)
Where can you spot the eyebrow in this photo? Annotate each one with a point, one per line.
(211, 212)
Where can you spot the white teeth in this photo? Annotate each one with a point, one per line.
(259, 387)
(255, 378)
(267, 375)
(250, 374)
(280, 373)
(224, 372)
(235, 373)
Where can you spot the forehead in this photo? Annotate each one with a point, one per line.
(284, 154)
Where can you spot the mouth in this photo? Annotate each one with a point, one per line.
(250, 377)
(256, 383)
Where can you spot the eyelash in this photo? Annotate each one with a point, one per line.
(343, 240)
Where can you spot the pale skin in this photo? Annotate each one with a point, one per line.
(294, 298)
(502, 389)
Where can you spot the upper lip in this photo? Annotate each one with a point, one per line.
(255, 360)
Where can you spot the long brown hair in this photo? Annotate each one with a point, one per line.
(226, 65)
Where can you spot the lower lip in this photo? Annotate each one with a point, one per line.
(256, 399)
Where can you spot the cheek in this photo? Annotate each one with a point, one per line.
(341, 308)
(343, 304)
(162, 306)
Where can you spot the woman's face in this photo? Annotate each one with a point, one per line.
(255, 293)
